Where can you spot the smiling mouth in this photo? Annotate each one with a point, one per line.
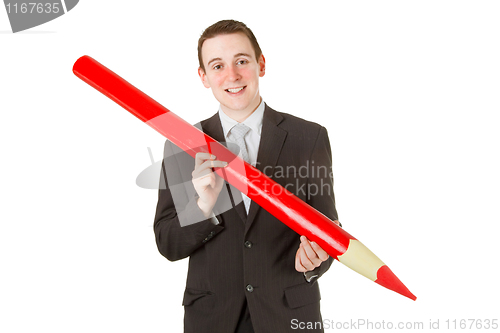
(235, 90)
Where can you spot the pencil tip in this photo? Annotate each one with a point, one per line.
(386, 278)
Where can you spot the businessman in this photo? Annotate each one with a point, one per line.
(248, 272)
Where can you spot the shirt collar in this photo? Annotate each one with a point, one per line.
(254, 121)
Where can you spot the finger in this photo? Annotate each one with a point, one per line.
(200, 173)
(310, 253)
(202, 157)
(206, 168)
(212, 182)
(322, 255)
(298, 264)
(213, 164)
(209, 164)
(305, 260)
(219, 182)
(205, 182)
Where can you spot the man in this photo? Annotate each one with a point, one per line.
(248, 272)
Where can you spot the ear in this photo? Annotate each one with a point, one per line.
(262, 65)
(203, 77)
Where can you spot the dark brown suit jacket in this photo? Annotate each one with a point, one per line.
(250, 257)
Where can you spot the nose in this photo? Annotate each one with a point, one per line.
(233, 73)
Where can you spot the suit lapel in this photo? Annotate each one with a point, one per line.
(213, 127)
(271, 143)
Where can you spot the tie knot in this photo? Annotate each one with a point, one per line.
(239, 130)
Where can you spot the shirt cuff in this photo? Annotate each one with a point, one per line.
(310, 276)
(213, 219)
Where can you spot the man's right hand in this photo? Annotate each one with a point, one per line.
(207, 183)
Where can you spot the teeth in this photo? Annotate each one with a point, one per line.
(235, 90)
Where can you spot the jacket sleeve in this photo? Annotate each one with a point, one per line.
(180, 227)
(320, 187)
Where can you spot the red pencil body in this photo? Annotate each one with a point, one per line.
(278, 201)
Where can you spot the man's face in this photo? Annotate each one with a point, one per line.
(232, 72)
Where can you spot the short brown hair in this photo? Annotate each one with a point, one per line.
(226, 27)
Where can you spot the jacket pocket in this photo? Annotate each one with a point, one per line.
(191, 295)
(302, 294)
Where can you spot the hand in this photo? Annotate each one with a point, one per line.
(309, 255)
(207, 183)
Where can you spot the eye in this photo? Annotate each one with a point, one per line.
(242, 62)
(217, 67)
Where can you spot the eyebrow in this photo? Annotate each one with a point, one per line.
(235, 56)
(214, 59)
(242, 55)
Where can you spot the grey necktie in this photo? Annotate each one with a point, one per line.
(238, 133)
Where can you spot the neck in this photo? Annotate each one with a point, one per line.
(240, 115)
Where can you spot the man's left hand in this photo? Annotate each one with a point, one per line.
(309, 255)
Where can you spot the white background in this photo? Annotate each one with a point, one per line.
(409, 93)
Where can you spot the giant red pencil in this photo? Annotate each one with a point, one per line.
(295, 213)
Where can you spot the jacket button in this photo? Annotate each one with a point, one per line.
(249, 288)
(248, 244)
